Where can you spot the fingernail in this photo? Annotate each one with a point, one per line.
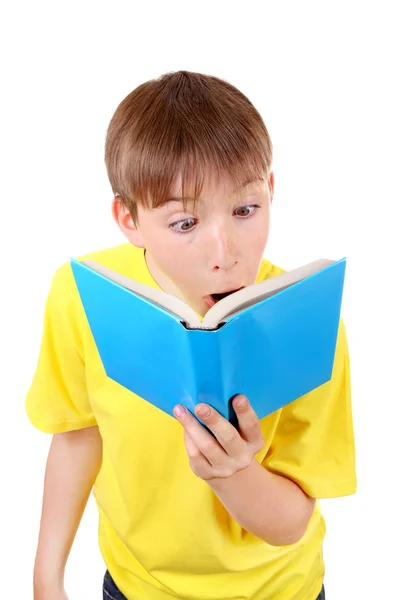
(241, 403)
(179, 410)
(203, 411)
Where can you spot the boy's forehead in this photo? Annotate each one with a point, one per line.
(212, 187)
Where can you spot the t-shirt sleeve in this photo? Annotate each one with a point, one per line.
(58, 400)
(313, 444)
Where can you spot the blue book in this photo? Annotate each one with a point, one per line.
(273, 341)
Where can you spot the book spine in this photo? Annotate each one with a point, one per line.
(206, 360)
(216, 364)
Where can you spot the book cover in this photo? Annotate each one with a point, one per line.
(273, 351)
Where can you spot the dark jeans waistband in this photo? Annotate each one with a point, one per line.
(111, 592)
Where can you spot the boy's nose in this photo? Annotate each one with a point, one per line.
(222, 250)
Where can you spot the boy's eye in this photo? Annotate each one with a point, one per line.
(184, 225)
(245, 211)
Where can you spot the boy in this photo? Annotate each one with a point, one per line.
(183, 514)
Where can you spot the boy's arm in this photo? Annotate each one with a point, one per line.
(268, 505)
(72, 466)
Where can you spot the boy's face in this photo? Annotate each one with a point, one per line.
(214, 248)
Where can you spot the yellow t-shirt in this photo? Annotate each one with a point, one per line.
(162, 531)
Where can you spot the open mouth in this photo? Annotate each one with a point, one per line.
(212, 299)
(224, 294)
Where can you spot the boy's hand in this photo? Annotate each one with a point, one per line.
(231, 451)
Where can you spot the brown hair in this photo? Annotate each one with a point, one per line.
(184, 123)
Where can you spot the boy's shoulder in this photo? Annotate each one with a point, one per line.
(124, 258)
(268, 269)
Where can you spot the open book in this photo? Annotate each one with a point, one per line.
(272, 341)
(228, 306)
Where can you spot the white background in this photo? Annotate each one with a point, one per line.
(325, 77)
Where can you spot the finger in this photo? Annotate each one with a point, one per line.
(249, 423)
(226, 434)
(204, 441)
(198, 462)
(193, 451)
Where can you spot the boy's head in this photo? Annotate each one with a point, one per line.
(189, 161)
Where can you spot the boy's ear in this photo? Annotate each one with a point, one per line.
(123, 219)
(271, 184)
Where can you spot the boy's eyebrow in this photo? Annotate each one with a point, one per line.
(239, 188)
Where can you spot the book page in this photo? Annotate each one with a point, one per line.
(159, 297)
(259, 291)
